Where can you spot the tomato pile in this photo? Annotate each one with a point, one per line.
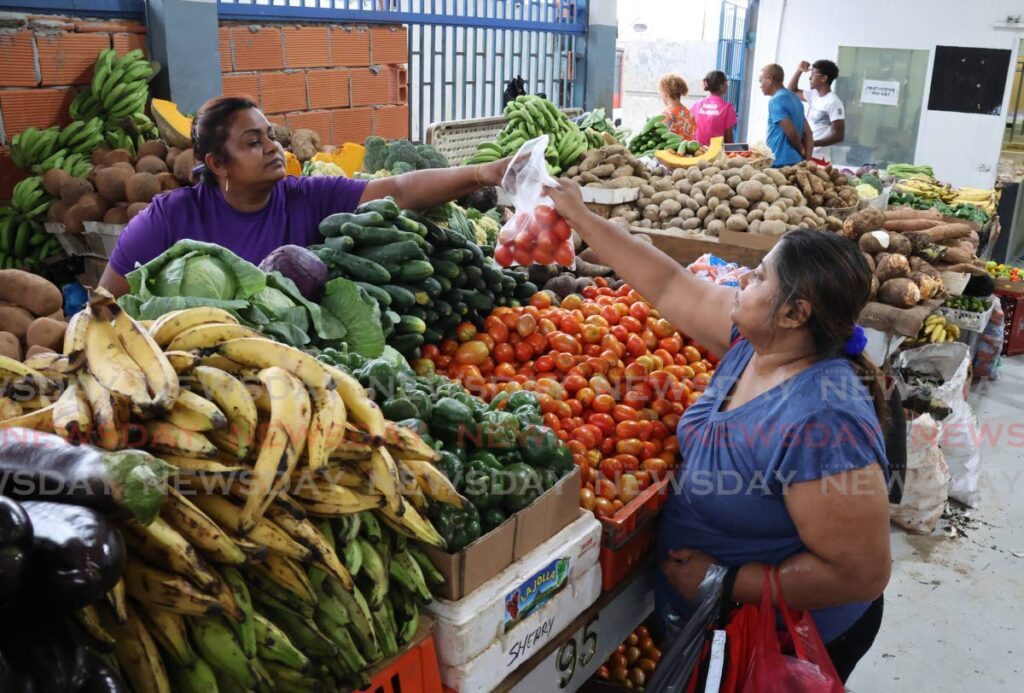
(633, 661)
(541, 236)
(611, 375)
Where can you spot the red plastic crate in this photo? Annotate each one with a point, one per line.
(627, 538)
(1013, 339)
(415, 671)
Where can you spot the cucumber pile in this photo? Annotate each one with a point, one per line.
(426, 279)
(654, 135)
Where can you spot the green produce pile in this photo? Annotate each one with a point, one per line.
(596, 122)
(498, 456)
(653, 136)
(909, 171)
(973, 304)
(385, 158)
(24, 243)
(531, 116)
(964, 210)
(426, 279)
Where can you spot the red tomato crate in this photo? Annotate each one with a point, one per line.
(1013, 340)
(627, 538)
(414, 671)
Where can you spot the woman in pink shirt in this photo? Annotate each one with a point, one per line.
(715, 116)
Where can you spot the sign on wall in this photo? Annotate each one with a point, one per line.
(881, 92)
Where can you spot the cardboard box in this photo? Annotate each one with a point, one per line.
(743, 239)
(1009, 286)
(517, 536)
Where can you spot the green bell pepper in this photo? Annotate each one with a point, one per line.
(491, 519)
(499, 430)
(522, 398)
(548, 478)
(528, 416)
(483, 483)
(451, 419)
(452, 467)
(523, 486)
(399, 408)
(422, 401)
(540, 447)
(499, 402)
(458, 528)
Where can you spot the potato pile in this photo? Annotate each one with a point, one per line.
(31, 315)
(727, 194)
(821, 186)
(611, 166)
(903, 247)
(119, 186)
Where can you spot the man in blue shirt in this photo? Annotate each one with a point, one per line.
(789, 134)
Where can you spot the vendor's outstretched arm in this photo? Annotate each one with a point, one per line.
(113, 282)
(435, 186)
(698, 308)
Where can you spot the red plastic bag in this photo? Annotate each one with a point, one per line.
(536, 233)
(771, 670)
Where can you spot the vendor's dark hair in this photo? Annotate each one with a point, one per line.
(828, 69)
(715, 81)
(830, 273)
(210, 128)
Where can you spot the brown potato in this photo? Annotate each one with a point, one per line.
(30, 291)
(46, 332)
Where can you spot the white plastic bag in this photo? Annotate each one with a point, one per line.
(536, 233)
(926, 485)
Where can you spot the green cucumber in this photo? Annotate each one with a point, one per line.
(378, 294)
(411, 225)
(415, 270)
(525, 290)
(331, 226)
(445, 282)
(431, 336)
(410, 324)
(386, 207)
(401, 298)
(454, 239)
(473, 273)
(406, 343)
(456, 255)
(372, 236)
(447, 269)
(417, 312)
(399, 252)
(442, 308)
(342, 243)
(361, 269)
(431, 286)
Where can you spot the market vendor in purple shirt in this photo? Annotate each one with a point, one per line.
(244, 202)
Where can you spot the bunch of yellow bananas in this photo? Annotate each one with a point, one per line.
(285, 555)
(985, 199)
(925, 187)
(938, 329)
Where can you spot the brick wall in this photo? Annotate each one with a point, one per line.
(345, 82)
(43, 59)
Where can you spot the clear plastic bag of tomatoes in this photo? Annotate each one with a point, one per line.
(536, 233)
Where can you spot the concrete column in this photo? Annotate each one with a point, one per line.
(183, 37)
(599, 68)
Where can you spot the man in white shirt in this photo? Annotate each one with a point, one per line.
(825, 111)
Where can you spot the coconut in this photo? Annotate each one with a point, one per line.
(116, 215)
(94, 205)
(167, 181)
(100, 156)
(73, 188)
(75, 218)
(53, 180)
(151, 164)
(153, 148)
(56, 212)
(183, 164)
(172, 154)
(142, 187)
(135, 208)
(110, 183)
(119, 155)
(125, 166)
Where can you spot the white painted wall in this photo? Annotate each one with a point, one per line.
(963, 148)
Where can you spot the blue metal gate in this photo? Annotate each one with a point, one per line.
(461, 52)
(734, 38)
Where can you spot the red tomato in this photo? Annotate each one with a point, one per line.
(622, 412)
(523, 352)
(635, 345)
(565, 255)
(545, 216)
(691, 353)
(611, 468)
(562, 410)
(586, 397)
(630, 446)
(522, 256)
(526, 325)
(537, 342)
(544, 364)
(655, 466)
(630, 463)
(577, 408)
(640, 311)
(631, 324)
(629, 488)
(471, 353)
(627, 429)
(606, 489)
(605, 403)
(604, 422)
(603, 507)
(564, 363)
(561, 341)
(561, 230)
(503, 255)
(504, 353)
(587, 498)
(574, 383)
(545, 326)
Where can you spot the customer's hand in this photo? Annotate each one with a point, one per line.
(685, 569)
(568, 200)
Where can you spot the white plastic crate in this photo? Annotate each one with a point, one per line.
(966, 319)
(513, 649)
(102, 238)
(492, 615)
(458, 139)
(73, 244)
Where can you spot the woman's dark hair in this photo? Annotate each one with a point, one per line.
(830, 273)
(210, 128)
(828, 69)
(715, 81)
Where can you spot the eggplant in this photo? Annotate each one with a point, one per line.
(77, 554)
(35, 466)
(102, 679)
(56, 657)
(15, 547)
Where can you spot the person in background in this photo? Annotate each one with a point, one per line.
(678, 118)
(824, 109)
(715, 117)
(789, 134)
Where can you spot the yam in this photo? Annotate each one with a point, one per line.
(29, 291)
(53, 180)
(592, 159)
(899, 293)
(948, 232)
(870, 259)
(874, 242)
(874, 288)
(73, 188)
(16, 319)
(859, 223)
(953, 256)
(587, 178)
(46, 332)
(151, 164)
(36, 349)
(909, 224)
(183, 165)
(891, 266)
(135, 208)
(153, 148)
(142, 187)
(736, 222)
(110, 183)
(116, 215)
(928, 285)
(625, 182)
(773, 228)
(903, 213)
(10, 346)
(602, 171)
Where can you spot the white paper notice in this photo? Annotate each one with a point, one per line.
(879, 92)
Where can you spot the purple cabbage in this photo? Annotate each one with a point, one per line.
(300, 265)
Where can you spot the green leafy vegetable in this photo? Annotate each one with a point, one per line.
(359, 314)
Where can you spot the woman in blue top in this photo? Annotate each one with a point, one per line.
(783, 459)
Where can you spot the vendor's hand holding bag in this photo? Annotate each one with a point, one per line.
(768, 668)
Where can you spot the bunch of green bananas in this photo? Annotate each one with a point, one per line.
(531, 116)
(24, 242)
(235, 585)
(121, 85)
(33, 146)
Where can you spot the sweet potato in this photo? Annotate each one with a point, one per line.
(30, 291)
(899, 293)
(10, 346)
(15, 320)
(46, 332)
(953, 256)
(948, 232)
(909, 224)
(902, 213)
(891, 266)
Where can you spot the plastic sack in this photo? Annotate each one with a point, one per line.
(717, 271)
(990, 345)
(926, 480)
(770, 670)
(536, 232)
(688, 640)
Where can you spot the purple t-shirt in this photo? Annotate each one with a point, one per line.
(200, 213)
